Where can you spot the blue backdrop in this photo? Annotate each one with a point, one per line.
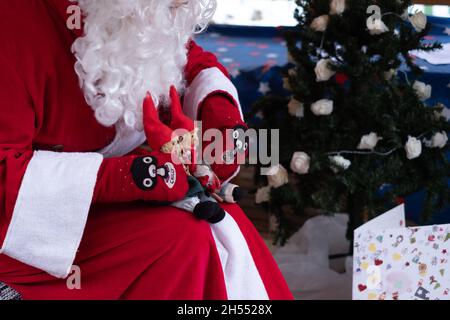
(255, 57)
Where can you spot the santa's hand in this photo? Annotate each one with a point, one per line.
(218, 112)
(153, 177)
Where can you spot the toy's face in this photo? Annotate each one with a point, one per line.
(183, 147)
(145, 172)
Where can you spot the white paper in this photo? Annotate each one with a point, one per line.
(305, 264)
(392, 219)
(401, 263)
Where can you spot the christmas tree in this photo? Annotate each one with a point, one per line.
(356, 133)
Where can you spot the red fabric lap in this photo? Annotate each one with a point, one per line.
(141, 252)
(133, 252)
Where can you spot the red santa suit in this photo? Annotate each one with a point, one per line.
(51, 151)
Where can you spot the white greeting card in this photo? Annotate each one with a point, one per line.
(392, 262)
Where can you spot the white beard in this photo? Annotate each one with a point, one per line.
(132, 47)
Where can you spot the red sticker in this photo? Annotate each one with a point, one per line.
(362, 287)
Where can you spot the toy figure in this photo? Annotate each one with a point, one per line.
(180, 139)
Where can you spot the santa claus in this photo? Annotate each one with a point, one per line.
(68, 194)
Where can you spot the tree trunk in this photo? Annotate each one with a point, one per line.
(358, 215)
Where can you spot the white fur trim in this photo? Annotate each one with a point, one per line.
(242, 279)
(227, 192)
(125, 141)
(205, 83)
(51, 210)
(187, 204)
(203, 171)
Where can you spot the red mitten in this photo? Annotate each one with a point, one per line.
(219, 112)
(151, 178)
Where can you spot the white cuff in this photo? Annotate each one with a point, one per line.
(125, 141)
(208, 81)
(187, 204)
(51, 210)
